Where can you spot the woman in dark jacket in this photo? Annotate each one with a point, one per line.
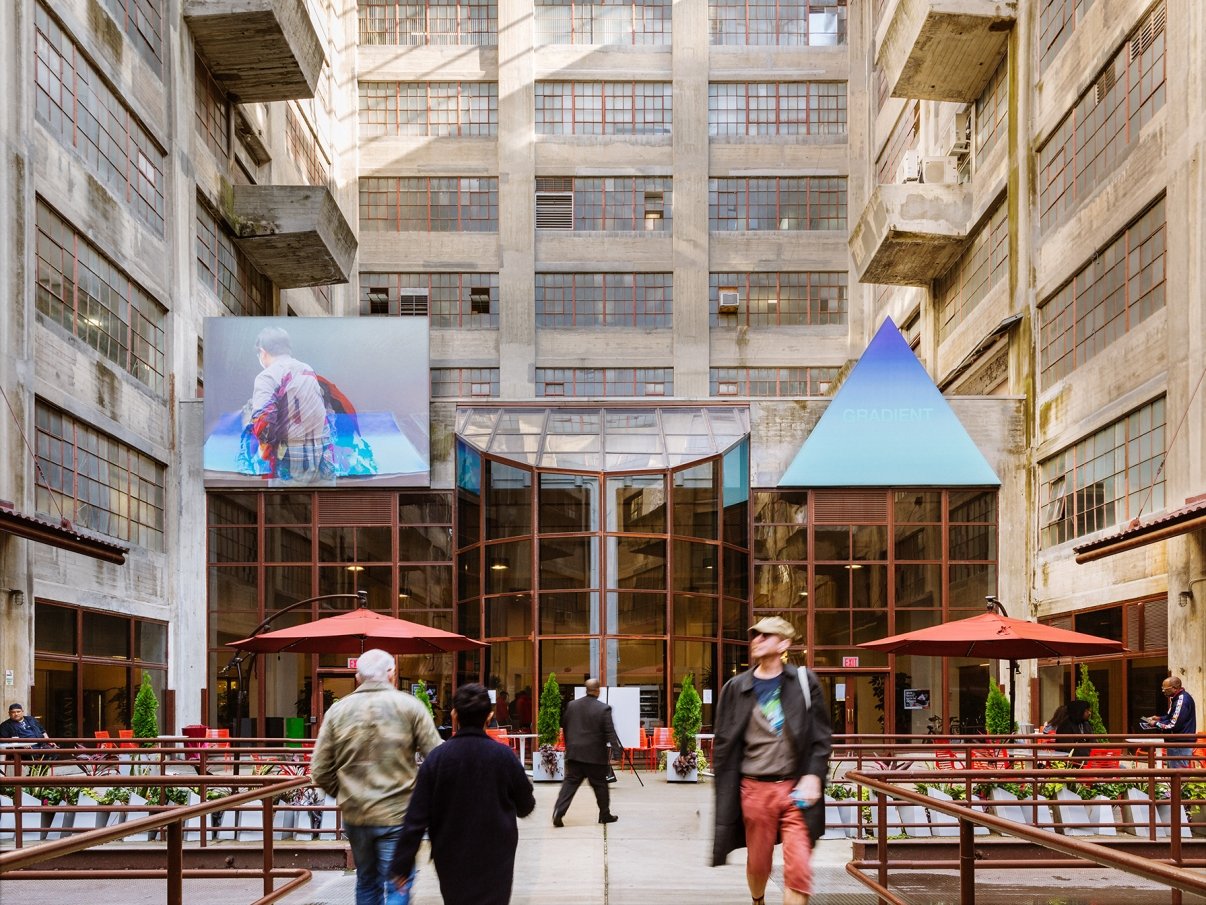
(1076, 723)
(469, 792)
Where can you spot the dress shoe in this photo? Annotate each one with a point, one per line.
(557, 820)
(608, 818)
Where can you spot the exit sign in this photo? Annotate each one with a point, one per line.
(850, 662)
(352, 661)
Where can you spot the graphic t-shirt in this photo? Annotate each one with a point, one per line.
(768, 749)
(770, 702)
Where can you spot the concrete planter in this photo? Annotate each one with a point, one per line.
(915, 820)
(1007, 810)
(1072, 813)
(87, 818)
(31, 822)
(672, 774)
(540, 774)
(941, 824)
(840, 819)
(1101, 815)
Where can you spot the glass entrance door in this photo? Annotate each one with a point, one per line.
(332, 686)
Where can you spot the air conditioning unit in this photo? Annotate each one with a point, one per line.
(940, 170)
(958, 140)
(730, 301)
(909, 169)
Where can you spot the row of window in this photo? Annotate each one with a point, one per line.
(303, 149)
(142, 21)
(629, 22)
(81, 289)
(460, 109)
(470, 204)
(983, 263)
(224, 270)
(621, 203)
(1057, 20)
(604, 299)
(770, 383)
(74, 103)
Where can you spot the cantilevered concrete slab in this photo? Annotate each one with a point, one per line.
(294, 234)
(909, 234)
(945, 50)
(258, 50)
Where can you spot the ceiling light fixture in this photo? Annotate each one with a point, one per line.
(355, 568)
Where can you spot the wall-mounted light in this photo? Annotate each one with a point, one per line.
(1185, 598)
(498, 566)
(15, 596)
(355, 568)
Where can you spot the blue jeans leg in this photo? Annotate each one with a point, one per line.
(1178, 758)
(372, 849)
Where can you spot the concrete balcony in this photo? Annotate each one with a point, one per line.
(910, 234)
(945, 50)
(296, 235)
(258, 50)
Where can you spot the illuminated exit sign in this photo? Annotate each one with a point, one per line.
(849, 662)
(352, 661)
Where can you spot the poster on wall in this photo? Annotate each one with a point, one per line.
(916, 699)
(316, 402)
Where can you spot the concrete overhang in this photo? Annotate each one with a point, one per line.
(910, 234)
(296, 235)
(258, 50)
(945, 50)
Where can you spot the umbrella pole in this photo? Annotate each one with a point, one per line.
(1013, 665)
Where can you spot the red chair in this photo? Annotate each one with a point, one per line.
(987, 759)
(126, 733)
(642, 747)
(662, 741)
(218, 734)
(944, 759)
(1103, 759)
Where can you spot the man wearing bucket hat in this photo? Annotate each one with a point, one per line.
(771, 757)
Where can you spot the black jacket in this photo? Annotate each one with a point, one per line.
(469, 792)
(588, 729)
(812, 737)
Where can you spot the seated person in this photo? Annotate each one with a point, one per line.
(1049, 727)
(18, 725)
(1076, 723)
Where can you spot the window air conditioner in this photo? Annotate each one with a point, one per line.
(909, 169)
(730, 301)
(958, 141)
(940, 170)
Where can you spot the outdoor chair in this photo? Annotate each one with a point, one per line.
(662, 741)
(944, 759)
(988, 759)
(1102, 759)
(126, 733)
(641, 748)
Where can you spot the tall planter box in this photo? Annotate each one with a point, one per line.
(915, 820)
(944, 825)
(540, 774)
(840, 819)
(1071, 813)
(1009, 809)
(672, 774)
(31, 822)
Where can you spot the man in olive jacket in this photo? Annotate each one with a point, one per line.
(588, 731)
(772, 744)
(365, 757)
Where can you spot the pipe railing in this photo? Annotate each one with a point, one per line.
(886, 785)
(16, 864)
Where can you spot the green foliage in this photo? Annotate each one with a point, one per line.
(146, 711)
(110, 795)
(422, 695)
(839, 791)
(688, 716)
(1086, 691)
(166, 795)
(57, 794)
(1190, 791)
(548, 721)
(996, 710)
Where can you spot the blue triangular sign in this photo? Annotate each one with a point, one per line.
(888, 426)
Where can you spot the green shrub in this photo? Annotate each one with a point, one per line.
(548, 720)
(688, 716)
(146, 712)
(1086, 691)
(996, 710)
(422, 695)
(841, 792)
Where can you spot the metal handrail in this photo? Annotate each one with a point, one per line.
(1172, 875)
(173, 822)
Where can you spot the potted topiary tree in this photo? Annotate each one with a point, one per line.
(548, 764)
(1086, 691)
(145, 722)
(996, 711)
(682, 764)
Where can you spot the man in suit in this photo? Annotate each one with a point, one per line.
(588, 731)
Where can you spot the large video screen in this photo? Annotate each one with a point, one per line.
(316, 401)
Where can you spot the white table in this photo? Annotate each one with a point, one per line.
(522, 750)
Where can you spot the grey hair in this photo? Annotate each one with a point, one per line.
(374, 665)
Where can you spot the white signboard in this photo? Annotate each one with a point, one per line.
(625, 711)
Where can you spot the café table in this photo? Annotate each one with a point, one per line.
(519, 743)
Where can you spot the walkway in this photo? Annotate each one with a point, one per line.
(657, 854)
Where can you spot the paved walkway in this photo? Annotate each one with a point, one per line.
(657, 854)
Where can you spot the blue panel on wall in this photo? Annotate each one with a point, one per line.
(889, 426)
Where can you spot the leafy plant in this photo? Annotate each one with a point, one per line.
(996, 710)
(111, 795)
(57, 794)
(548, 722)
(1190, 791)
(841, 792)
(422, 695)
(166, 795)
(146, 711)
(1086, 691)
(697, 759)
(688, 718)
(686, 762)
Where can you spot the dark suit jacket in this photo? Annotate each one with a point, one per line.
(588, 729)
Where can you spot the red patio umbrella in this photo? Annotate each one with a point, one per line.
(996, 636)
(356, 632)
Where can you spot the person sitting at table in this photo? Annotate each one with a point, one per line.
(18, 725)
(1049, 727)
(1076, 723)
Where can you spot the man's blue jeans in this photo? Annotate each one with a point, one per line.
(1178, 758)
(373, 850)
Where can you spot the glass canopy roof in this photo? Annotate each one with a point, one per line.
(603, 439)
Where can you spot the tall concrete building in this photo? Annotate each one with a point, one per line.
(650, 242)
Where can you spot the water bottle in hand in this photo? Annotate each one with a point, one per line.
(798, 799)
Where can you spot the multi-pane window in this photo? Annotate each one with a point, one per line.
(211, 110)
(597, 382)
(430, 204)
(904, 137)
(604, 299)
(83, 291)
(1057, 20)
(777, 202)
(434, 109)
(437, 22)
(226, 272)
(1114, 292)
(603, 108)
(992, 111)
(983, 263)
(304, 150)
(97, 481)
(142, 21)
(74, 103)
(620, 203)
(1106, 479)
(778, 299)
(777, 108)
(1107, 119)
(468, 300)
(787, 382)
(639, 22)
(464, 383)
(783, 22)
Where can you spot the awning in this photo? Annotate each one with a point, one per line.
(1138, 533)
(62, 534)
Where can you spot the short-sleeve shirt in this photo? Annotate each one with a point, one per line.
(768, 749)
